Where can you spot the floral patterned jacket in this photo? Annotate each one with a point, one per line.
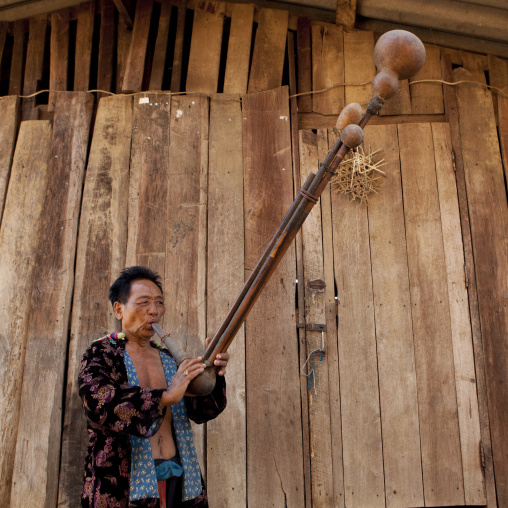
(115, 411)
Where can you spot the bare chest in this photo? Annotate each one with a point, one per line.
(149, 368)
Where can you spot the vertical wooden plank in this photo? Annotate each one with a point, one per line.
(452, 115)
(226, 464)
(83, 53)
(205, 48)
(427, 98)
(327, 68)
(324, 143)
(16, 75)
(465, 377)
(9, 110)
(394, 331)
(100, 256)
(59, 55)
(303, 43)
(35, 478)
(34, 61)
(269, 49)
(3, 35)
(489, 227)
(476, 65)
(106, 47)
(315, 313)
(185, 260)
(125, 8)
(345, 14)
(149, 181)
(274, 439)
(123, 43)
(300, 291)
(498, 78)
(437, 399)
(176, 73)
(361, 419)
(161, 46)
(133, 76)
(503, 127)
(240, 38)
(19, 240)
(358, 66)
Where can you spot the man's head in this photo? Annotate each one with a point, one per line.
(137, 301)
(120, 290)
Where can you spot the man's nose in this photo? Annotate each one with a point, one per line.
(152, 309)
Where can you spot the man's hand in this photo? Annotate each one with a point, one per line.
(221, 360)
(187, 371)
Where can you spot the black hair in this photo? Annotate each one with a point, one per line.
(120, 290)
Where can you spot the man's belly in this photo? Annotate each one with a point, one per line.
(163, 445)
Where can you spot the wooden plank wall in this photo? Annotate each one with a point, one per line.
(406, 404)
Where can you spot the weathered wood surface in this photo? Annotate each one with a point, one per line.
(358, 66)
(161, 46)
(100, 256)
(135, 66)
(503, 128)
(3, 35)
(437, 402)
(123, 43)
(327, 68)
(84, 34)
(465, 377)
(394, 330)
(35, 478)
(476, 65)
(489, 226)
(274, 439)
(9, 109)
(185, 259)
(346, 14)
(304, 55)
(125, 12)
(360, 410)
(19, 240)
(149, 181)
(59, 55)
(185, 249)
(452, 114)
(300, 291)
(322, 479)
(33, 66)
(16, 74)
(106, 47)
(498, 78)
(269, 49)
(240, 38)
(176, 72)
(205, 49)
(226, 436)
(325, 142)
(427, 98)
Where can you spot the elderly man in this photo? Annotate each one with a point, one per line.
(139, 452)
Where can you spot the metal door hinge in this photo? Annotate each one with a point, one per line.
(312, 327)
(317, 285)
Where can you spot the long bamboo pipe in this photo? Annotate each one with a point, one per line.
(398, 54)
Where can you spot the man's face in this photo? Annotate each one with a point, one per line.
(144, 307)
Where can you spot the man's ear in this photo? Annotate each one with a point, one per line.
(118, 310)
